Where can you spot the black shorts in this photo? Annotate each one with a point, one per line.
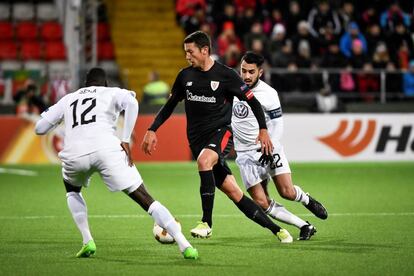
(221, 142)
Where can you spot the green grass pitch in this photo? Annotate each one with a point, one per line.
(370, 230)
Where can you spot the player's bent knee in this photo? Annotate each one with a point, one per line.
(70, 188)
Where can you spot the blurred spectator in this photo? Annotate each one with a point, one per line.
(186, 8)
(400, 40)
(275, 18)
(373, 38)
(228, 14)
(193, 23)
(259, 48)
(156, 91)
(256, 33)
(244, 21)
(303, 34)
(347, 13)
(327, 39)
(278, 39)
(281, 57)
(368, 83)
(303, 61)
(28, 101)
(293, 18)
(229, 45)
(369, 17)
(333, 58)
(358, 57)
(381, 58)
(347, 39)
(327, 102)
(321, 17)
(394, 16)
(408, 80)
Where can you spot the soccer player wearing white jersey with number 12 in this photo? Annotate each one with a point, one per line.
(91, 145)
(256, 168)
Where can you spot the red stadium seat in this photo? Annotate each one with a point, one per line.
(55, 50)
(105, 50)
(6, 30)
(26, 30)
(103, 31)
(31, 50)
(51, 31)
(8, 50)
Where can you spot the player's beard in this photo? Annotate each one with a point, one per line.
(254, 83)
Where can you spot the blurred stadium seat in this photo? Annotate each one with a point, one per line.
(55, 50)
(6, 30)
(51, 30)
(8, 50)
(26, 30)
(31, 50)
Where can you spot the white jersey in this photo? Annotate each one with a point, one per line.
(90, 115)
(244, 123)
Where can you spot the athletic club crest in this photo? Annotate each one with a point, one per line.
(214, 85)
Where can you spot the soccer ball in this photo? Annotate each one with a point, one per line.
(161, 235)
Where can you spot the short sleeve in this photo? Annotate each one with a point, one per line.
(122, 96)
(55, 113)
(237, 87)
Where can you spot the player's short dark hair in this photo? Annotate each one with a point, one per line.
(200, 39)
(96, 76)
(253, 58)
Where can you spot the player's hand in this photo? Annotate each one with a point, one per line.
(266, 159)
(149, 142)
(265, 142)
(125, 147)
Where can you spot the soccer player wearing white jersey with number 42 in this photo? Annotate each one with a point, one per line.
(91, 145)
(256, 168)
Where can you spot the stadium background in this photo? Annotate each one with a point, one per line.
(357, 110)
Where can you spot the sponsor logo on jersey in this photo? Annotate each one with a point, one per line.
(347, 145)
(214, 85)
(240, 110)
(196, 98)
(189, 83)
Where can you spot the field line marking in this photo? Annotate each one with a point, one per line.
(198, 215)
(18, 172)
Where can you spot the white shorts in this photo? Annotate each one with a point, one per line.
(111, 164)
(252, 172)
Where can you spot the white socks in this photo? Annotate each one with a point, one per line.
(301, 196)
(277, 211)
(77, 207)
(163, 218)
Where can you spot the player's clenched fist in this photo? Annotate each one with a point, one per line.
(149, 142)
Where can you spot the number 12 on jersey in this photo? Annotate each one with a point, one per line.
(90, 103)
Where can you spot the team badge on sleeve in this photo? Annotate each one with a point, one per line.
(214, 85)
